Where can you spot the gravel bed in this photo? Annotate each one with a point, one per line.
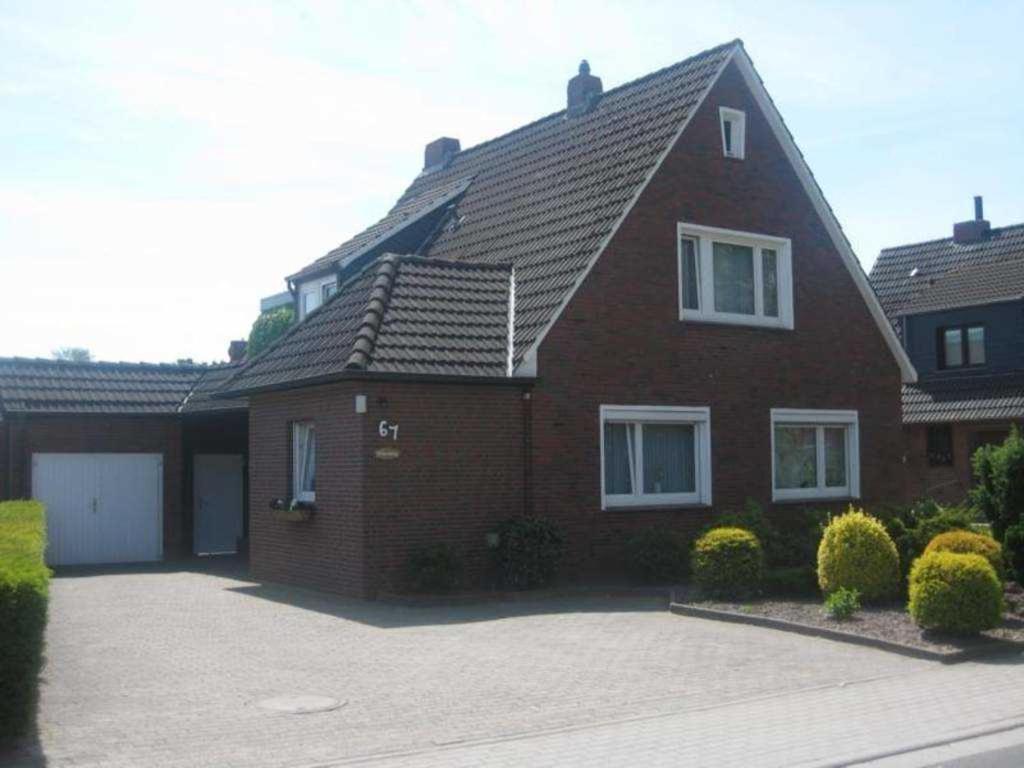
(890, 623)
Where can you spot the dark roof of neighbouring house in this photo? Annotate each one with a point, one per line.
(899, 286)
(986, 282)
(36, 386)
(200, 399)
(401, 314)
(969, 397)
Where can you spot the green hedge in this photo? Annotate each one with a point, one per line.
(24, 587)
(955, 593)
(728, 562)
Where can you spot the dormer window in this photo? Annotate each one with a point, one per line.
(962, 346)
(734, 132)
(315, 293)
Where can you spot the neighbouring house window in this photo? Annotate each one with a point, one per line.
(304, 461)
(734, 129)
(815, 454)
(315, 293)
(655, 456)
(962, 346)
(940, 445)
(734, 277)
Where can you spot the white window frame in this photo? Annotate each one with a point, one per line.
(738, 118)
(699, 417)
(297, 492)
(820, 418)
(315, 288)
(705, 237)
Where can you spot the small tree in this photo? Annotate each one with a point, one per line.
(74, 354)
(999, 493)
(268, 328)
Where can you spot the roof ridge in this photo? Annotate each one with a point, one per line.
(949, 239)
(621, 87)
(183, 367)
(469, 265)
(380, 293)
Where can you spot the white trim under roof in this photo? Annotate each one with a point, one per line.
(528, 365)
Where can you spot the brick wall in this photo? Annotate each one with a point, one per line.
(327, 551)
(103, 434)
(620, 342)
(458, 471)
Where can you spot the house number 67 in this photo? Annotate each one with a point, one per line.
(384, 430)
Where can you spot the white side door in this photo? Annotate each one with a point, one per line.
(100, 507)
(217, 503)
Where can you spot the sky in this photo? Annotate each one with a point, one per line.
(164, 165)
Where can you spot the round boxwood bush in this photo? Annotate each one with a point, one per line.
(968, 543)
(856, 553)
(433, 568)
(955, 593)
(529, 552)
(728, 562)
(657, 555)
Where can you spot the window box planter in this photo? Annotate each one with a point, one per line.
(294, 511)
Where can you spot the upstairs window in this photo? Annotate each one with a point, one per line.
(961, 346)
(655, 456)
(734, 132)
(815, 454)
(315, 293)
(304, 461)
(734, 277)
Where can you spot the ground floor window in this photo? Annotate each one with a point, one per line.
(655, 455)
(940, 445)
(304, 461)
(815, 454)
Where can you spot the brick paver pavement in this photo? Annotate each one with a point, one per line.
(160, 668)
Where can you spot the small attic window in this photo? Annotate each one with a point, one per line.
(734, 132)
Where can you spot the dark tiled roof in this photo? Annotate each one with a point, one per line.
(60, 387)
(964, 398)
(401, 314)
(969, 285)
(212, 380)
(545, 197)
(897, 288)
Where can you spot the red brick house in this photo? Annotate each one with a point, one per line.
(958, 305)
(638, 310)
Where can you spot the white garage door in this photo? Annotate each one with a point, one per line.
(100, 507)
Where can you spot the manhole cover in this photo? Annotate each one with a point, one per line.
(300, 705)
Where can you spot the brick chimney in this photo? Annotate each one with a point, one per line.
(440, 153)
(973, 231)
(583, 91)
(236, 350)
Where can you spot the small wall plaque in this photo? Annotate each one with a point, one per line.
(387, 453)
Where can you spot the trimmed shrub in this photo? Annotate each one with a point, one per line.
(911, 528)
(433, 568)
(24, 590)
(965, 542)
(842, 604)
(1013, 551)
(657, 555)
(999, 491)
(728, 562)
(529, 552)
(857, 553)
(955, 593)
(789, 540)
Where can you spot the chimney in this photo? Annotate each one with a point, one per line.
(974, 231)
(236, 350)
(439, 154)
(583, 91)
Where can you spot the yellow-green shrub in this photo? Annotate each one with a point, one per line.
(955, 593)
(967, 543)
(856, 553)
(24, 583)
(728, 562)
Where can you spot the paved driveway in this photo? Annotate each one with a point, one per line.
(160, 668)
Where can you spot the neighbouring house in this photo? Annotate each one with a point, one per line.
(134, 461)
(636, 311)
(958, 305)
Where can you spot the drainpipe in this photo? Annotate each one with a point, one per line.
(527, 452)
